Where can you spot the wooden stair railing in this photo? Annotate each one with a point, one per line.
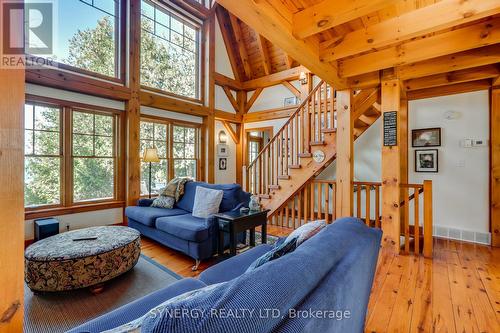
(285, 164)
(316, 201)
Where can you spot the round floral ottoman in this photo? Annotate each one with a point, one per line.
(81, 258)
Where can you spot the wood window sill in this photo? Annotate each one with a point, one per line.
(57, 211)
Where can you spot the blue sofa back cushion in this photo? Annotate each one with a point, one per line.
(233, 195)
(283, 284)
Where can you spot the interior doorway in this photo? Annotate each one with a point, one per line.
(256, 139)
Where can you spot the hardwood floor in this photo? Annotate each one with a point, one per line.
(457, 291)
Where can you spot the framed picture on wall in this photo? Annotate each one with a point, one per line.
(222, 163)
(222, 150)
(426, 160)
(426, 137)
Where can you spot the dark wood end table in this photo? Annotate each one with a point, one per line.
(236, 222)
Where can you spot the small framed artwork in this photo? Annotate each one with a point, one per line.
(426, 160)
(426, 137)
(222, 163)
(291, 101)
(222, 150)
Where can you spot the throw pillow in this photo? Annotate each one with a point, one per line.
(206, 202)
(306, 231)
(278, 252)
(163, 202)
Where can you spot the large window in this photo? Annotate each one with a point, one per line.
(93, 156)
(87, 35)
(177, 147)
(184, 147)
(170, 47)
(43, 155)
(70, 155)
(154, 135)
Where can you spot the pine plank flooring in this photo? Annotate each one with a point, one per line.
(458, 291)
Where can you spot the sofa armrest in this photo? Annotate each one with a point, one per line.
(145, 202)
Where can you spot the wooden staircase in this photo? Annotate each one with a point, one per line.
(286, 164)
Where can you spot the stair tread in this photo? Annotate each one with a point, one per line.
(274, 187)
(305, 155)
(328, 130)
(294, 166)
(317, 143)
(284, 177)
(264, 196)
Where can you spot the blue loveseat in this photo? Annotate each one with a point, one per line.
(323, 286)
(177, 228)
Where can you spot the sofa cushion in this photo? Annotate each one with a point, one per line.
(186, 227)
(206, 202)
(233, 195)
(286, 247)
(148, 215)
(234, 266)
(138, 307)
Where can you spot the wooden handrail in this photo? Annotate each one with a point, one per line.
(286, 124)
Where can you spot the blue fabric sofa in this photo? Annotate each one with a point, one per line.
(323, 286)
(177, 228)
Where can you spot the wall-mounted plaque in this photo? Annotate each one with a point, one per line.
(391, 128)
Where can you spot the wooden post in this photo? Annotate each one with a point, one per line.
(403, 149)
(210, 119)
(133, 107)
(391, 167)
(12, 89)
(345, 154)
(495, 167)
(242, 102)
(427, 219)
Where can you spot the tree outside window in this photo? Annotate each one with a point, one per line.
(154, 135)
(184, 151)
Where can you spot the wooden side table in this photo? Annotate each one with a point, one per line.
(236, 222)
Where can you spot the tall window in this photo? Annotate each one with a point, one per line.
(170, 47)
(154, 135)
(83, 170)
(184, 149)
(43, 155)
(177, 147)
(93, 156)
(88, 35)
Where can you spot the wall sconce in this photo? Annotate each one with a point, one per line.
(303, 78)
(222, 137)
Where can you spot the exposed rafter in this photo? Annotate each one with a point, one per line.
(264, 53)
(435, 17)
(230, 43)
(240, 45)
(470, 37)
(330, 13)
(276, 26)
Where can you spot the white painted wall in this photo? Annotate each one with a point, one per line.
(272, 97)
(225, 176)
(461, 188)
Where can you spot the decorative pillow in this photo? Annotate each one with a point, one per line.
(163, 202)
(306, 231)
(136, 326)
(206, 202)
(278, 252)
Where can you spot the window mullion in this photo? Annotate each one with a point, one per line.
(67, 171)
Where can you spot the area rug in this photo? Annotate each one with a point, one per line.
(59, 312)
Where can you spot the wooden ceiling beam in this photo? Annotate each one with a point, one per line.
(234, 135)
(435, 17)
(251, 101)
(465, 75)
(470, 37)
(288, 61)
(274, 79)
(276, 26)
(222, 80)
(231, 117)
(229, 42)
(330, 13)
(292, 88)
(364, 81)
(457, 61)
(241, 45)
(451, 89)
(231, 98)
(264, 53)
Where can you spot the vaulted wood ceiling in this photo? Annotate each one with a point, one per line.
(349, 42)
